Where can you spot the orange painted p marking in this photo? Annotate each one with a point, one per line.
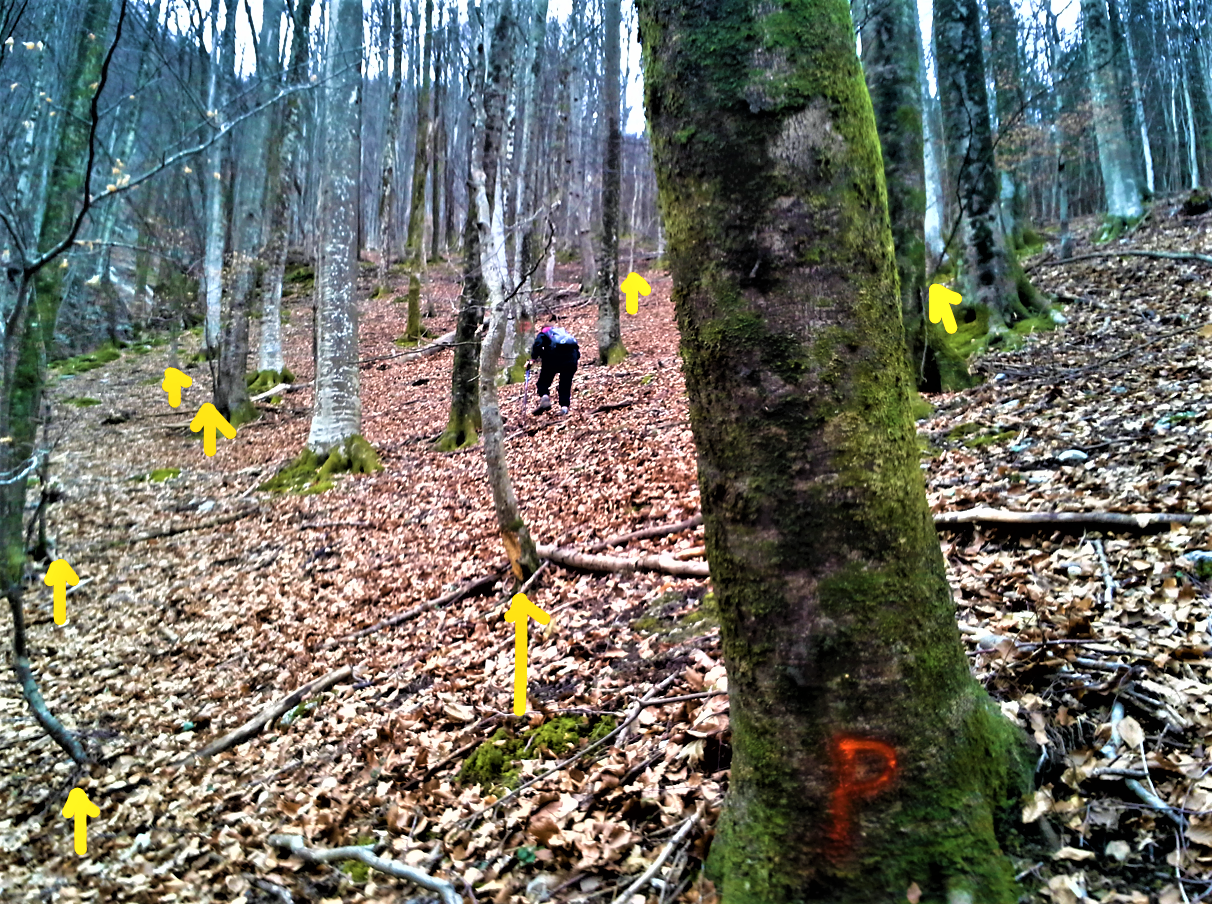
(863, 768)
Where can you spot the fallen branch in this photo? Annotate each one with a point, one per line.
(1164, 255)
(647, 533)
(294, 844)
(267, 716)
(572, 558)
(613, 406)
(278, 390)
(213, 522)
(446, 340)
(688, 824)
(1119, 520)
(470, 588)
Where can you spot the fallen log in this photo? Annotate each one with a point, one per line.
(1117, 520)
(267, 716)
(572, 558)
(365, 854)
(1163, 255)
(446, 340)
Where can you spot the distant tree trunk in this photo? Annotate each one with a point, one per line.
(415, 250)
(1011, 105)
(1121, 191)
(279, 187)
(993, 284)
(865, 757)
(337, 406)
(391, 141)
(580, 204)
(216, 219)
(610, 328)
(1117, 31)
(464, 423)
(936, 164)
(1138, 107)
(891, 49)
(248, 231)
(438, 156)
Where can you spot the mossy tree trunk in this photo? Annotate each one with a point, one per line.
(32, 298)
(892, 46)
(415, 249)
(866, 758)
(610, 328)
(337, 406)
(992, 282)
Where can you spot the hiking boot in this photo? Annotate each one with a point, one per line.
(563, 410)
(544, 404)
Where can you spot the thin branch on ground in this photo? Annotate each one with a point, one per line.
(294, 844)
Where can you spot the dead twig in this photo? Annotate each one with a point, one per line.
(687, 825)
(294, 843)
(204, 525)
(254, 725)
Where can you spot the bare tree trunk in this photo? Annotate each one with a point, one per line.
(610, 328)
(279, 187)
(391, 141)
(415, 250)
(438, 167)
(1114, 152)
(337, 407)
(216, 222)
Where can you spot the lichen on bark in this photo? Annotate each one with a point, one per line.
(836, 617)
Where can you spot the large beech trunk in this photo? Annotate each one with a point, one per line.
(866, 758)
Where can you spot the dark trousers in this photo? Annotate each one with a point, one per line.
(559, 360)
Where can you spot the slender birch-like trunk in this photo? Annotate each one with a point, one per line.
(610, 327)
(337, 405)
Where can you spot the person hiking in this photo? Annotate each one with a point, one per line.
(559, 352)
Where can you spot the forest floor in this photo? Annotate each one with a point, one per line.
(203, 601)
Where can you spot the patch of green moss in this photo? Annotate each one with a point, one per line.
(310, 473)
(921, 408)
(265, 380)
(159, 475)
(303, 276)
(83, 401)
(962, 430)
(357, 870)
(990, 438)
(69, 367)
(675, 629)
(497, 762)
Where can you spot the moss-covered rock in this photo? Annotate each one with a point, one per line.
(159, 475)
(1198, 202)
(312, 473)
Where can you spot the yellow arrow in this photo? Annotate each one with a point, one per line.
(59, 575)
(633, 284)
(941, 300)
(174, 382)
(521, 609)
(209, 420)
(80, 808)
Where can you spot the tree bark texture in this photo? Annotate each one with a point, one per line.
(866, 758)
(610, 328)
(391, 141)
(337, 406)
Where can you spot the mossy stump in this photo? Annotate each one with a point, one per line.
(313, 472)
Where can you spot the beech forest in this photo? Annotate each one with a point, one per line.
(603, 452)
